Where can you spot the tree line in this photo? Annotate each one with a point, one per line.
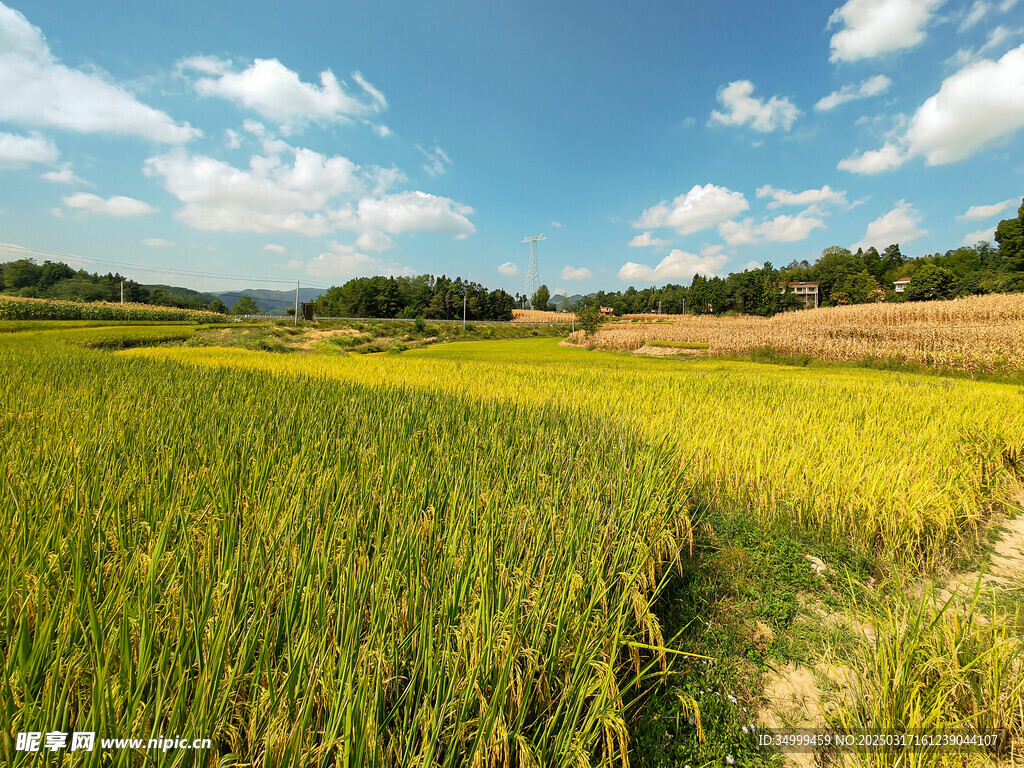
(843, 277)
(56, 280)
(427, 296)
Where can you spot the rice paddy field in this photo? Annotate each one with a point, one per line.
(455, 555)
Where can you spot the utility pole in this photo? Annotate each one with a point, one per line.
(463, 309)
(122, 290)
(296, 302)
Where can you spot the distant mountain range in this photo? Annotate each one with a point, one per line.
(270, 301)
(573, 300)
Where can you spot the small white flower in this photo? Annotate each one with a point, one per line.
(745, 729)
(729, 759)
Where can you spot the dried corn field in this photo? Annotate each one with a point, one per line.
(538, 316)
(979, 334)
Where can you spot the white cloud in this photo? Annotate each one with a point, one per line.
(742, 108)
(64, 175)
(437, 160)
(277, 93)
(988, 235)
(270, 196)
(698, 209)
(374, 240)
(275, 248)
(782, 197)
(232, 139)
(343, 261)
(781, 229)
(678, 265)
(873, 27)
(988, 211)
(508, 268)
(35, 89)
(293, 189)
(556, 224)
(20, 151)
(752, 265)
(997, 37)
(381, 130)
(977, 12)
(870, 87)
(644, 239)
(976, 106)
(897, 226)
(408, 212)
(119, 205)
(156, 242)
(570, 273)
(875, 160)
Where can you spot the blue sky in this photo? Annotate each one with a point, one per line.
(647, 141)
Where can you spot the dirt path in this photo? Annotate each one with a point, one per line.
(793, 695)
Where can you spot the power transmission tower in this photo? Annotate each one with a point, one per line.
(533, 274)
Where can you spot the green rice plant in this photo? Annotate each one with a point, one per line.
(311, 571)
(935, 668)
(906, 466)
(12, 308)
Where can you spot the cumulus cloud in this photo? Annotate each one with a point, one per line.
(275, 248)
(982, 235)
(272, 195)
(508, 268)
(374, 240)
(782, 197)
(874, 27)
(408, 212)
(781, 229)
(20, 151)
(678, 265)
(976, 106)
(742, 108)
(580, 273)
(897, 226)
(437, 160)
(64, 175)
(870, 87)
(988, 211)
(875, 160)
(342, 262)
(277, 93)
(156, 242)
(36, 89)
(118, 205)
(700, 208)
(644, 240)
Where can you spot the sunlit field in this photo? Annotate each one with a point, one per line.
(900, 463)
(976, 333)
(448, 556)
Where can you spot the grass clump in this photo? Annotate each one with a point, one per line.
(677, 344)
(934, 667)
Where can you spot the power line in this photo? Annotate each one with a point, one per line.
(17, 250)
